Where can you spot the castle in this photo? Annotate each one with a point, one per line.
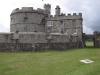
(33, 30)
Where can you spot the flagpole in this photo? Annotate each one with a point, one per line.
(43, 3)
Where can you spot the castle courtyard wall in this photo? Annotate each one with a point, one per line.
(36, 42)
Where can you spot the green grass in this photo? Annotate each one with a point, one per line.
(50, 62)
(89, 43)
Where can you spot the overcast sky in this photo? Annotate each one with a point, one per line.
(89, 9)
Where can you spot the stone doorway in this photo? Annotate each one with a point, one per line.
(88, 40)
(89, 43)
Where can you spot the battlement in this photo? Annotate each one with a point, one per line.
(47, 5)
(69, 15)
(29, 10)
(57, 7)
(62, 14)
(74, 14)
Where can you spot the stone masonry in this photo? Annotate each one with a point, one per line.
(36, 30)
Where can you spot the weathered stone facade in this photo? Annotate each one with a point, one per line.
(36, 30)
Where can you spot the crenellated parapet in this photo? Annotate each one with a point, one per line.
(69, 15)
(47, 8)
(47, 5)
(74, 14)
(29, 10)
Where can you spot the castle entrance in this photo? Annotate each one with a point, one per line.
(89, 40)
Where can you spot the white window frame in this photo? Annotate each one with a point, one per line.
(49, 23)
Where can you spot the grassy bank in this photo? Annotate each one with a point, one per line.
(50, 62)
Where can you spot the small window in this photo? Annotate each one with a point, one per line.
(35, 30)
(12, 20)
(61, 22)
(65, 31)
(25, 19)
(75, 31)
(49, 23)
(48, 30)
(43, 21)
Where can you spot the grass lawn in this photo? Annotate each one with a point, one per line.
(89, 44)
(50, 62)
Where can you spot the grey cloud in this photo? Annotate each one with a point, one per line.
(89, 9)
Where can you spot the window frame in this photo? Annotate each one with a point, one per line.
(62, 22)
(25, 19)
(75, 31)
(49, 23)
(65, 31)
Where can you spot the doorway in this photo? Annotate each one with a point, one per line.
(89, 43)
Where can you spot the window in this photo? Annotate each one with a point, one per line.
(35, 30)
(49, 23)
(43, 21)
(48, 30)
(25, 19)
(65, 31)
(75, 31)
(61, 22)
(12, 20)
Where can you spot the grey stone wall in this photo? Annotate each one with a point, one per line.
(31, 41)
(27, 21)
(34, 37)
(96, 39)
(5, 37)
(38, 46)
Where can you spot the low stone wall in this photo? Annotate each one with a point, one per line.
(38, 46)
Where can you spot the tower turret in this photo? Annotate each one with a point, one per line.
(47, 7)
(57, 10)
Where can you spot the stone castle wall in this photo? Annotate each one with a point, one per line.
(27, 20)
(30, 31)
(37, 42)
(25, 37)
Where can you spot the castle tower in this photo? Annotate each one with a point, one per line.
(27, 20)
(57, 11)
(47, 7)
